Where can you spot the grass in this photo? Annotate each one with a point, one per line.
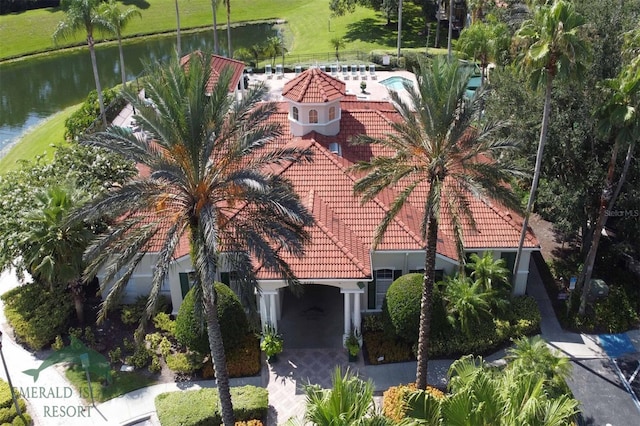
(123, 382)
(309, 25)
(38, 141)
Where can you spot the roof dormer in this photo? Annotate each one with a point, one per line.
(314, 103)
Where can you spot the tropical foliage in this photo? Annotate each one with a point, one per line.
(436, 150)
(209, 180)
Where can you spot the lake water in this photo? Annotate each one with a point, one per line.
(37, 88)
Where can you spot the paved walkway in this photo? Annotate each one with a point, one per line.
(595, 382)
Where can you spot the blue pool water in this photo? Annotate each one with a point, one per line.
(396, 82)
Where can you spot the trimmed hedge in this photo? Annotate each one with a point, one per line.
(38, 314)
(201, 407)
(8, 414)
(401, 307)
(231, 315)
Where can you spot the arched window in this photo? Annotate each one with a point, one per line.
(313, 116)
(332, 113)
(294, 112)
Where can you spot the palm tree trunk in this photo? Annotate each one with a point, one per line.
(77, 290)
(426, 302)
(122, 72)
(536, 174)
(437, 42)
(216, 43)
(96, 77)
(605, 198)
(179, 47)
(623, 178)
(399, 29)
(450, 29)
(230, 52)
(217, 353)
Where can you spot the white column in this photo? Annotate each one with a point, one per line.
(356, 312)
(272, 311)
(347, 314)
(264, 319)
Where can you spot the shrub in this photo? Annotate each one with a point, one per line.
(372, 322)
(231, 315)
(38, 314)
(165, 347)
(249, 423)
(401, 307)
(80, 121)
(163, 322)
(392, 349)
(244, 360)
(132, 313)
(154, 340)
(201, 407)
(140, 358)
(115, 355)
(7, 408)
(394, 400)
(155, 366)
(184, 363)
(58, 343)
(615, 313)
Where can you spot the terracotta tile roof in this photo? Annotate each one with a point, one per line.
(314, 86)
(344, 227)
(218, 64)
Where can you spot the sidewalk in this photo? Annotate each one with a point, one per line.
(594, 382)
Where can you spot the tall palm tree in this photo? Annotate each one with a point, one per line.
(179, 45)
(53, 247)
(214, 11)
(620, 119)
(227, 3)
(118, 20)
(435, 146)
(83, 15)
(551, 45)
(484, 42)
(211, 178)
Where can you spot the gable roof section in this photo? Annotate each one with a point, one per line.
(314, 86)
(218, 64)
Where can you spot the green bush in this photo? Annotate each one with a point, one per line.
(140, 358)
(401, 307)
(7, 408)
(163, 322)
(184, 363)
(231, 315)
(83, 118)
(132, 313)
(38, 314)
(615, 313)
(201, 407)
(155, 366)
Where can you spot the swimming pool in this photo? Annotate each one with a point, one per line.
(396, 82)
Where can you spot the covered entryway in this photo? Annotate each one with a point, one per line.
(314, 319)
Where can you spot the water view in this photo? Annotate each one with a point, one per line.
(34, 89)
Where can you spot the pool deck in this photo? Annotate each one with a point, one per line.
(375, 91)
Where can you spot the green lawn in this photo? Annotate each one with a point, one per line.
(308, 22)
(38, 141)
(122, 383)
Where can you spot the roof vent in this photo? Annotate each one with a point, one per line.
(335, 148)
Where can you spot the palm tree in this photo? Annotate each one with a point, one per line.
(484, 396)
(484, 43)
(179, 46)
(210, 179)
(214, 10)
(53, 247)
(435, 148)
(490, 273)
(337, 43)
(118, 20)
(550, 45)
(227, 3)
(620, 119)
(467, 301)
(532, 354)
(83, 14)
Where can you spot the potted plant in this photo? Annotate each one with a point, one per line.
(271, 343)
(363, 86)
(352, 343)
